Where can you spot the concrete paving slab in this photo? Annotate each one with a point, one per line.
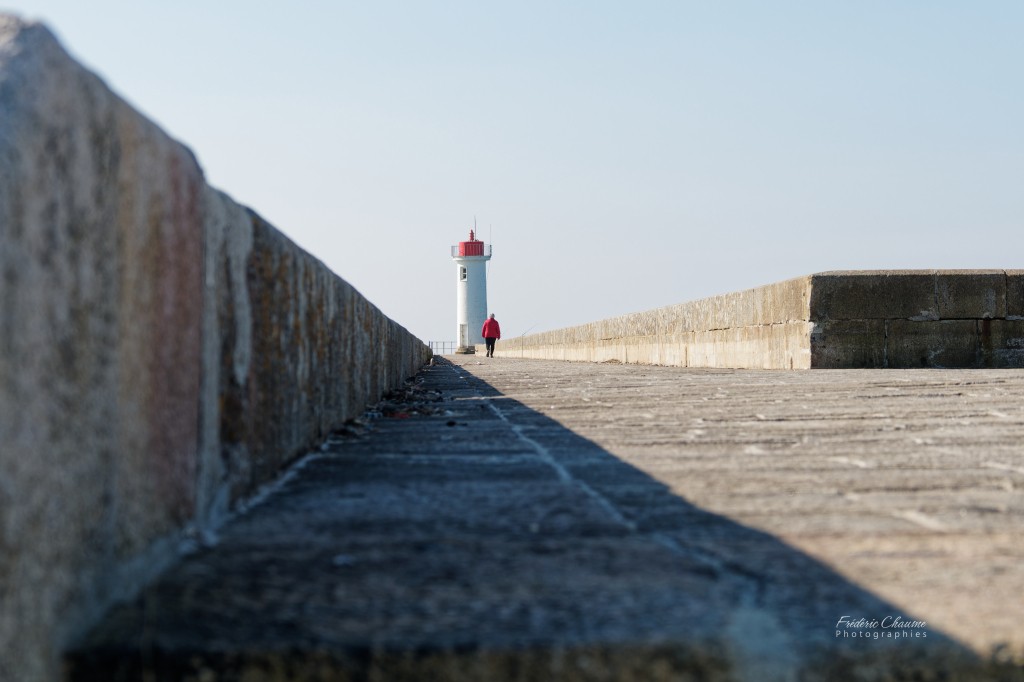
(533, 520)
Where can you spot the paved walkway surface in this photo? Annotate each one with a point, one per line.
(531, 520)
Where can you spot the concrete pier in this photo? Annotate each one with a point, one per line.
(165, 352)
(525, 520)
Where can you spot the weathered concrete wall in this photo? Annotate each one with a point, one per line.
(163, 350)
(918, 318)
(910, 318)
(759, 328)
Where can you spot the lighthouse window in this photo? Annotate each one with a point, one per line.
(462, 274)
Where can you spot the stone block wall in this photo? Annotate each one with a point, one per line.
(885, 319)
(918, 318)
(163, 350)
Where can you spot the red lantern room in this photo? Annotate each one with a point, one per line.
(472, 247)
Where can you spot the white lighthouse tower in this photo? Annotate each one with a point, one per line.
(471, 291)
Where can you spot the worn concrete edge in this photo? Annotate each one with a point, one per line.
(130, 577)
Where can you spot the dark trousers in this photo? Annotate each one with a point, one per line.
(490, 346)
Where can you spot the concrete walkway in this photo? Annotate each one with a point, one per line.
(532, 520)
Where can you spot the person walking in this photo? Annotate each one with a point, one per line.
(491, 333)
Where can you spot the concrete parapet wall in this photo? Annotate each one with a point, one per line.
(908, 318)
(760, 328)
(163, 350)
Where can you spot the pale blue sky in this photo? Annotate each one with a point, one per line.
(625, 155)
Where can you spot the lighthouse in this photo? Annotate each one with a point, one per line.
(470, 258)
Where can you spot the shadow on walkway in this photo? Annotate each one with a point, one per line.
(469, 537)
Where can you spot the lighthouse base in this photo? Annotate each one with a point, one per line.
(465, 350)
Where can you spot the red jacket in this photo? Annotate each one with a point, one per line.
(491, 329)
